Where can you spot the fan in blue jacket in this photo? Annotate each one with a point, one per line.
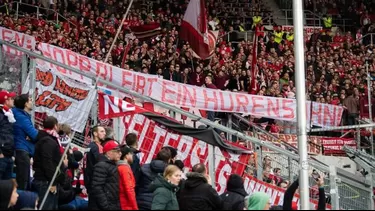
(24, 139)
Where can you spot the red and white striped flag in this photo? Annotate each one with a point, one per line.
(194, 28)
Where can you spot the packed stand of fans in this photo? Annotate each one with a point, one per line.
(335, 61)
(109, 176)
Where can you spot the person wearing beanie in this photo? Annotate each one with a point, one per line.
(233, 198)
(259, 201)
(26, 199)
(173, 153)
(9, 195)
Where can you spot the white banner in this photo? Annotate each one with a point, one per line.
(183, 95)
(17, 38)
(62, 97)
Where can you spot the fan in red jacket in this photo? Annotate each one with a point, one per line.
(127, 180)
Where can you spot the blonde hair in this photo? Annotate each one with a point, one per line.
(170, 170)
(65, 129)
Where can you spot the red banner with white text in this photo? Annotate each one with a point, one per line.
(333, 146)
(152, 137)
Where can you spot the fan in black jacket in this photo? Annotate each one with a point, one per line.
(46, 160)
(289, 194)
(105, 181)
(234, 197)
(197, 193)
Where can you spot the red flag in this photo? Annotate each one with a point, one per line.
(147, 31)
(194, 28)
(125, 54)
(253, 89)
(111, 107)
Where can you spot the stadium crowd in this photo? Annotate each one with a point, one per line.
(335, 60)
(335, 70)
(110, 176)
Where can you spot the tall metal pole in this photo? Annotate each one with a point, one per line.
(301, 103)
(370, 107)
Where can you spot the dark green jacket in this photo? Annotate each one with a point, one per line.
(164, 195)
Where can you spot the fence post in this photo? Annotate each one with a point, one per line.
(37, 13)
(17, 7)
(290, 170)
(1, 57)
(258, 150)
(372, 197)
(33, 86)
(229, 123)
(335, 201)
(23, 71)
(94, 109)
(211, 164)
(358, 138)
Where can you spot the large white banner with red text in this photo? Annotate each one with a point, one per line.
(17, 38)
(183, 95)
(252, 185)
(62, 97)
(153, 137)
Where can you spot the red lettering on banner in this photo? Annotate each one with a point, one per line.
(106, 74)
(7, 35)
(140, 84)
(125, 82)
(84, 63)
(286, 103)
(151, 81)
(47, 52)
(329, 117)
(49, 100)
(71, 58)
(210, 99)
(167, 93)
(222, 102)
(274, 107)
(61, 58)
(20, 39)
(189, 98)
(257, 105)
(316, 111)
(45, 78)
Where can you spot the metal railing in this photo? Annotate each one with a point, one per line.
(313, 19)
(17, 8)
(353, 194)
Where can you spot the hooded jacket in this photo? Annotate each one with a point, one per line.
(258, 201)
(6, 187)
(197, 194)
(164, 194)
(26, 199)
(148, 173)
(233, 198)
